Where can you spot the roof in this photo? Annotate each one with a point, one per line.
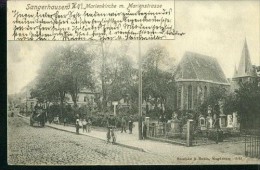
(198, 67)
(245, 67)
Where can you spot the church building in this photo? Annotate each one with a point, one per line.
(196, 75)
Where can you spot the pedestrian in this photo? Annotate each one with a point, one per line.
(77, 126)
(36, 107)
(108, 129)
(130, 124)
(110, 124)
(123, 125)
(144, 131)
(65, 121)
(84, 125)
(89, 125)
(43, 118)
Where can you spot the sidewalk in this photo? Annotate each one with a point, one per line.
(123, 139)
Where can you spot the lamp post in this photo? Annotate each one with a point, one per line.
(140, 92)
(26, 100)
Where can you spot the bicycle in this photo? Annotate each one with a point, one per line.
(111, 133)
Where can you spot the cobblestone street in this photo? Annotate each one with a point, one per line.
(47, 146)
(42, 146)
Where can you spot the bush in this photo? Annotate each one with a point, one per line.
(216, 135)
(100, 118)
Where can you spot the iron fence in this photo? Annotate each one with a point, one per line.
(162, 132)
(252, 146)
(157, 130)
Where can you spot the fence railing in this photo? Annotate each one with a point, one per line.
(163, 132)
(252, 146)
(157, 130)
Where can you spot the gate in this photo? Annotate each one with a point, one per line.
(252, 146)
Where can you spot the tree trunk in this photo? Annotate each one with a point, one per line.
(74, 91)
(74, 98)
(62, 97)
(161, 102)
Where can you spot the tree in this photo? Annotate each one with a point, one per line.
(75, 69)
(158, 77)
(244, 101)
(216, 95)
(66, 69)
(248, 105)
(122, 79)
(50, 85)
(230, 103)
(117, 73)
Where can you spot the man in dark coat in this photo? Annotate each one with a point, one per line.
(123, 125)
(130, 124)
(77, 126)
(110, 124)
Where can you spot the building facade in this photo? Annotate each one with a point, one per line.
(85, 97)
(196, 76)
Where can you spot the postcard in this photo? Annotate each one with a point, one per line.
(133, 82)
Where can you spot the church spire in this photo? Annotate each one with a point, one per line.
(245, 66)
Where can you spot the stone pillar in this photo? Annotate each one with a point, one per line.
(235, 120)
(175, 127)
(222, 120)
(229, 121)
(189, 132)
(209, 122)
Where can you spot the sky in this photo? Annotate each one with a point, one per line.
(213, 28)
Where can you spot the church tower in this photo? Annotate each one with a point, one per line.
(245, 71)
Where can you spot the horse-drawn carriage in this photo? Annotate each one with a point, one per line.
(38, 117)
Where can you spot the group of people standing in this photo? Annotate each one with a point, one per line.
(124, 125)
(86, 125)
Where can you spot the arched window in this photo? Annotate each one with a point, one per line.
(200, 94)
(205, 92)
(189, 97)
(202, 121)
(179, 96)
